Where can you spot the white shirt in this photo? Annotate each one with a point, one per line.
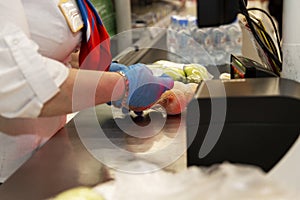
(35, 40)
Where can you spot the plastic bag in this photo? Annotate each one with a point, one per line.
(225, 181)
(185, 73)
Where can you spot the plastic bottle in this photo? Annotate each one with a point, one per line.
(183, 37)
(202, 44)
(192, 43)
(192, 24)
(172, 43)
(219, 45)
(234, 35)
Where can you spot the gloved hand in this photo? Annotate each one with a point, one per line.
(144, 89)
(115, 67)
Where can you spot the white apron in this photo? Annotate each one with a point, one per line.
(49, 30)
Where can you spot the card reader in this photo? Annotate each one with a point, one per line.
(242, 67)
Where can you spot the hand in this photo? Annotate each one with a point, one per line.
(116, 67)
(144, 89)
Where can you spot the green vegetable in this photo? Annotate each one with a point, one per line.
(185, 73)
(174, 70)
(195, 73)
(175, 73)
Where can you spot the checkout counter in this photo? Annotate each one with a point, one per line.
(91, 146)
(65, 161)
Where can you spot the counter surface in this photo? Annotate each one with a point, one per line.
(84, 152)
(65, 162)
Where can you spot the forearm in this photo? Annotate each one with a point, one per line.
(43, 126)
(83, 89)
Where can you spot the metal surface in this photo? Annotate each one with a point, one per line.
(147, 50)
(64, 162)
(60, 164)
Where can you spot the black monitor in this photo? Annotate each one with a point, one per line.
(212, 13)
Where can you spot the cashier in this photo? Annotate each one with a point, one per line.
(38, 86)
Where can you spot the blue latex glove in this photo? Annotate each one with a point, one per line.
(115, 67)
(144, 88)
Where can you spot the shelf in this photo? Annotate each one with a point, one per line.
(147, 23)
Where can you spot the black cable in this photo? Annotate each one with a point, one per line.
(263, 46)
(258, 39)
(273, 24)
(271, 20)
(244, 11)
(268, 37)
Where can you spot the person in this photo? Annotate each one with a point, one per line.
(38, 87)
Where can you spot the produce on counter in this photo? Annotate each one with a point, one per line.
(225, 76)
(195, 73)
(79, 193)
(167, 63)
(186, 77)
(176, 99)
(186, 73)
(174, 71)
(176, 74)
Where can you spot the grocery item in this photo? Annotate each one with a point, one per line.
(186, 77)
(185, 73)
(173, 101)
(225, 76)
(166, 63)
(172, 69)
(176, 74)
(79, 193)
(176, 99)
(209, 46)
(195, 73)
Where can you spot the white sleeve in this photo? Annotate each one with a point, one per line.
(27, 79)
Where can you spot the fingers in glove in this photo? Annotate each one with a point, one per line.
(115, 67)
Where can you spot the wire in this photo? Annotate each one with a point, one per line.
(262, 44)
(273, 24)
(276, 60)
(268, 38)
(244, 11)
